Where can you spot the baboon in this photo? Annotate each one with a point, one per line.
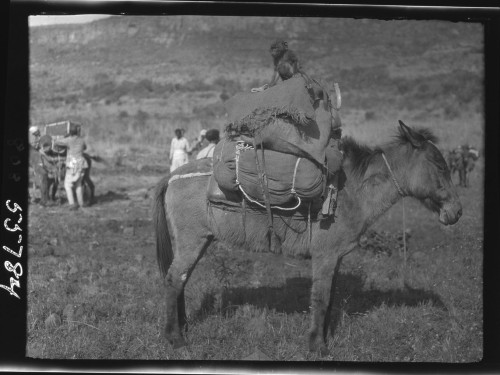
(286, 63)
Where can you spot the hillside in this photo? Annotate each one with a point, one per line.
(142, 76)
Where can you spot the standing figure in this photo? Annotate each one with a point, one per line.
(34, 138)
(179, 150)
(49, 185)
(199, 142)
(76, 164)
(462, 160)
(454, 160)
(469, 157)
(45, 173)
(212, 137)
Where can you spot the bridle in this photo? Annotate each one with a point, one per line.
(401, 192)
(393, 177)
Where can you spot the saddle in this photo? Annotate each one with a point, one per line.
(216, 194)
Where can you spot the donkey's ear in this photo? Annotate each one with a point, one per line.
(413, 137)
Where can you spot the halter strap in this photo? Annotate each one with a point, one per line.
(398, 187)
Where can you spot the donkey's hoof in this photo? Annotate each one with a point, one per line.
(174, 338)
(321, 349)
(178, 343)
(317, 345)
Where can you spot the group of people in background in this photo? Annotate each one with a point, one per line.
(462, 160)
(180, 148)
(75, 163)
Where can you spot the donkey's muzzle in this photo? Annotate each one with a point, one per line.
(450, 213)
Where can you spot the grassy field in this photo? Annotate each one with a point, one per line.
(95, 290)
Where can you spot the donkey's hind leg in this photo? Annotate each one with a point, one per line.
(188, 253)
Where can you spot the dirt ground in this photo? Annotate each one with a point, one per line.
(95, 290)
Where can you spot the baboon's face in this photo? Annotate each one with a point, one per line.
(278, 49)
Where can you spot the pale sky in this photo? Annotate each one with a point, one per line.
(51, 20)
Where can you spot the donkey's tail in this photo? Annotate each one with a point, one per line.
(164, 253)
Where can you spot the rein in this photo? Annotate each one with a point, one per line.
(401, 192)
(398, 187)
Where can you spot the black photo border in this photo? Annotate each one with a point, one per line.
(14, 115)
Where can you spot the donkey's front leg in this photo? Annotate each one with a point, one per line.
(325, 267)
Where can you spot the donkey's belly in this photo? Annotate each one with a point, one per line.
(248, 229)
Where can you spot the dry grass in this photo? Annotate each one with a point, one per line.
(427, 311)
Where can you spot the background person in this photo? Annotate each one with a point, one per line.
(212, 137)
(45, 171)
(200, 142)
(35, 137)
(75, 166)
(179, 150)
(49, 179)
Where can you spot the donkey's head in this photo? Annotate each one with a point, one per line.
(426, 172)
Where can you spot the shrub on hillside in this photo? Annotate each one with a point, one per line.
(195, 85)
(448, 91)
(229, 86)
(370, 115)
(122, 115)
(211, 111)
(451, 111)
(141, 116)
(365, 78)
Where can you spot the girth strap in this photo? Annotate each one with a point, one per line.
(274, 242)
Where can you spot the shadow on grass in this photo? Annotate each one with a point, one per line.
(294, 297)
(352, 299)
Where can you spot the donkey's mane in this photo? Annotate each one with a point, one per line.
(426, 133)
(361, 155)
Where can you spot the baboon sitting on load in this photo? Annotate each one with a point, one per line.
(286, 65)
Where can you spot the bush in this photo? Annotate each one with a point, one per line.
(227, 85)
(451, 111)
(363, 78)
(370, 115)
(212, 111)
(196, 85)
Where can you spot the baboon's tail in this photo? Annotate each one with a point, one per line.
(164, 253)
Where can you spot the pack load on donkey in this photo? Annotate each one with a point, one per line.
(280, 148)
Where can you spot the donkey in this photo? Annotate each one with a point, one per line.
(187, 224)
